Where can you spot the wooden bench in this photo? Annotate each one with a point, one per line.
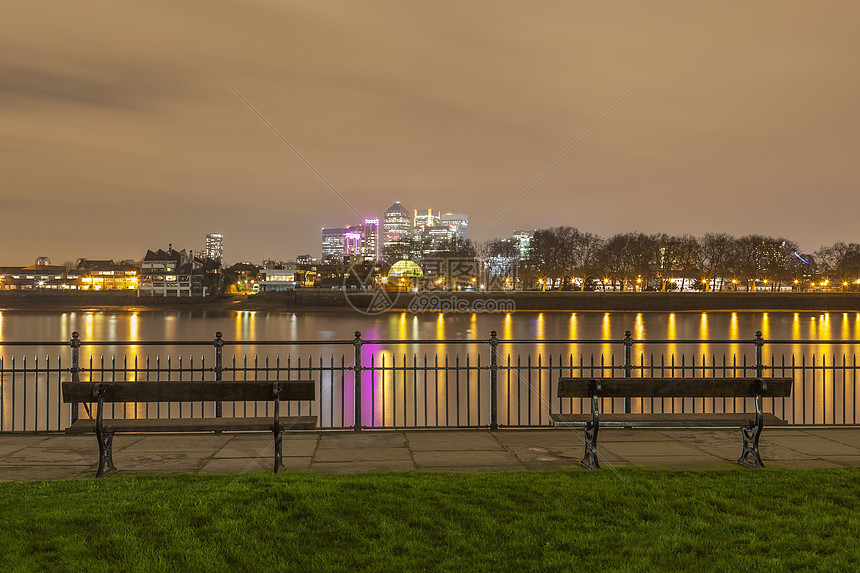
(597, 388)
(102, 393)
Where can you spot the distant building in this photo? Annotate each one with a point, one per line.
(433, 232)
(457, 224)
(106, 275)
(523, 241)
(170, 273)
(370, 241)
(396, 231)
(275, 280)
(305, 260)
(424, 219)
(215, 246)
(334, 243)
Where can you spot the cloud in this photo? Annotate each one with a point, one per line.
(118, 86)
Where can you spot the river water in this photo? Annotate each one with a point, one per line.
(817, 348)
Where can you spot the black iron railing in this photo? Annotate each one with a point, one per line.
(366, 383)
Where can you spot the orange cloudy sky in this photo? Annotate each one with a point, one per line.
(118, 132)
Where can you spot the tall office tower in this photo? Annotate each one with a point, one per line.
(215, 246)
(334, 243)
(458, 225)
(396, 231)
(523, 240)
(352, 243)
(370, 240)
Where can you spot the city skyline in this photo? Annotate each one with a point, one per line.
(118, 132)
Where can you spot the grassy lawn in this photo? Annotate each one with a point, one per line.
(770, 520)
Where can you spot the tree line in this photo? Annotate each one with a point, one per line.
(565, 257)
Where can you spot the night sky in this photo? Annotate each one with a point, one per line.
(119, 133)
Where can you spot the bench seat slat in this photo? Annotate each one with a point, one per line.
(672, 387)
(251, 390)
(86, 426)
(666, 420)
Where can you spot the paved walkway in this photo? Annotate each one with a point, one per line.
(57, 456)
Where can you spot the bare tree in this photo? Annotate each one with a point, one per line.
(712, 258)
(840, 262)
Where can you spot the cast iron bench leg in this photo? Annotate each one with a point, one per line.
(750, 457)
(106, 466)
(279, 463)
(590, 459)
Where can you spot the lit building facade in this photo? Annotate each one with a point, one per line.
(170, 273)
(396, 231)
(457, 224)
(370, 241)
(522, 241)
(214, 246)
(334, 243)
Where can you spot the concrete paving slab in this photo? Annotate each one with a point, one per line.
(362, 440)
(159, 462)
(363, 467)
(546, 438)
(50, 456)
(173, 443)
(633, 435)
(814, 445)
(45, 472)
(63, 441)
(537, 454)
(17, 442)
(847, 436)
(444, 440)
(485, 459)
(251, 447)
(844, 461)
(660, 448)
(361, 454)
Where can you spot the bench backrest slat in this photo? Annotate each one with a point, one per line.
(672, 387)
(251, 390)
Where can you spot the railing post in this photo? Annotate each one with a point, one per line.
(759, 363)
(628, 365)
(218, 343)
(494, 381)
(356, 377)
(75, 345)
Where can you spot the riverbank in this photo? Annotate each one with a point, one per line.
(329, 300)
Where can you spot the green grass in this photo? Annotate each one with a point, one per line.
(770, 520)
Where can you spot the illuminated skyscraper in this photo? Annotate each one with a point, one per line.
(214, 246)
(334, 243)
(396, 231)
(370, 240)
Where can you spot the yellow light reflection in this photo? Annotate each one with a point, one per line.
(639, 327)
(440, 326)
(606, 349)
(704, 335)
(401, 326)
(508, 326)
